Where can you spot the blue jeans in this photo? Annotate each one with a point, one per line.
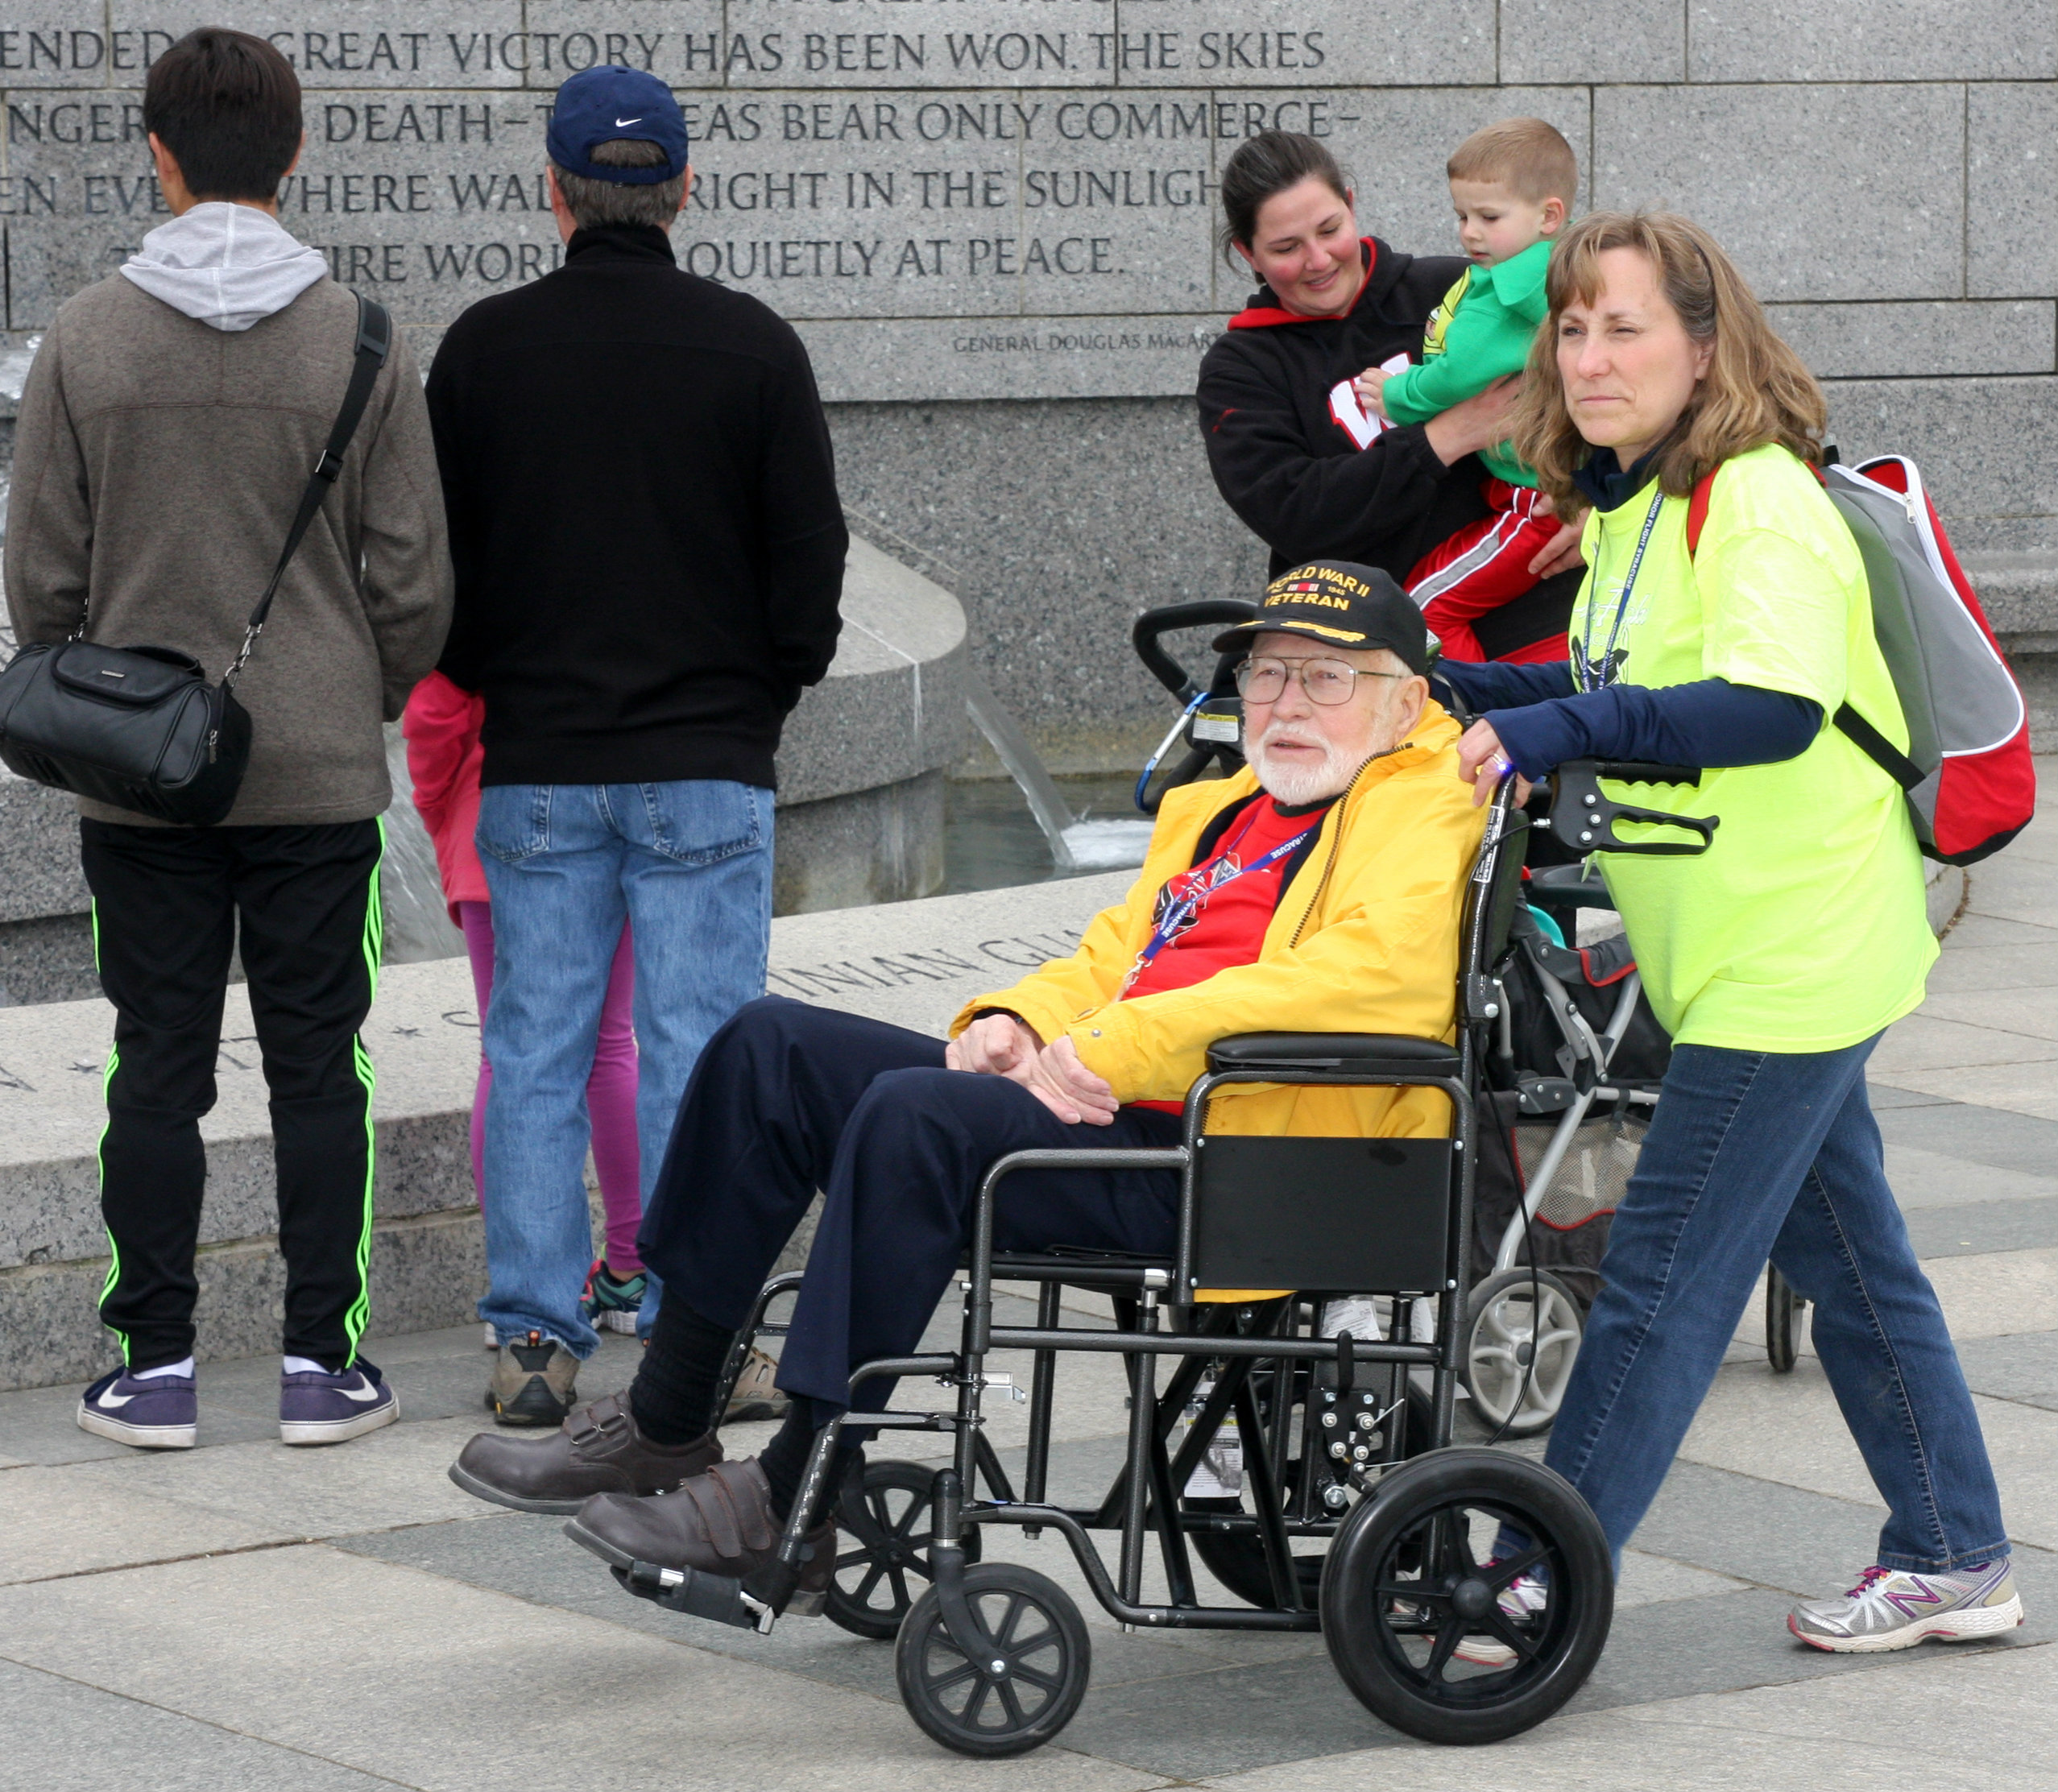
(689, 865)
(1759, 1154)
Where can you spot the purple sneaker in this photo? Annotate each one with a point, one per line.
(316, 1407)
(162, 1413)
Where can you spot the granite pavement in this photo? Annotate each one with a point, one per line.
(243, 1616)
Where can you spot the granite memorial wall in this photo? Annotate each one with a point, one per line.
(992, 222)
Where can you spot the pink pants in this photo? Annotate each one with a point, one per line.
(611, 1092)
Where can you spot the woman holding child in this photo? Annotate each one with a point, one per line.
(1657, 388)
(1296, 424)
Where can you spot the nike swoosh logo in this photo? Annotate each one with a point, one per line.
(112, 1399)
(369, 1392)
(620, 123)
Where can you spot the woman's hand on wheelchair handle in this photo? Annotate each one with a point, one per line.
(1065, 1086)
(1482, 762)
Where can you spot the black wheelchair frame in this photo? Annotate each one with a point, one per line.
(1402, 1585)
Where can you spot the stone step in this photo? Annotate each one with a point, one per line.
(913, 963)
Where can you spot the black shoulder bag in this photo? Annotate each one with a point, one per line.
(140, 727)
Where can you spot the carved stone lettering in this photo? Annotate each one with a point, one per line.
(950, 198)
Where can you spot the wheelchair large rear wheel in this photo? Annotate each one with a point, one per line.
(1522, 1331)
(885, 1528)
(1014, 1701)
(1413, 1601)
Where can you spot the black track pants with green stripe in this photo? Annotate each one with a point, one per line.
(168, 906)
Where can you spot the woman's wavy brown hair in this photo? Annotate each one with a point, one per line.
(1756, 390)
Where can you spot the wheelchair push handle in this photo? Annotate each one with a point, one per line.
(1583, 817)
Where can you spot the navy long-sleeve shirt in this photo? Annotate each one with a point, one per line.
(1542, 721)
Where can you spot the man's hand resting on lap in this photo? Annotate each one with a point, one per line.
(1069, 1088)
(1006, 1045)
(996, 1045)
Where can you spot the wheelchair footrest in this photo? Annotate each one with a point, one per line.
(716, 1597)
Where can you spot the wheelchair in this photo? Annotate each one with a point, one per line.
(1356, 1517)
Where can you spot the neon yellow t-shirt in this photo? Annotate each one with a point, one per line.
(1804, 927)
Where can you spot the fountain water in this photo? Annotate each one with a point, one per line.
(1076, 844)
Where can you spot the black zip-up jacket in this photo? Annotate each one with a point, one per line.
(643, 517)
(1297, 476)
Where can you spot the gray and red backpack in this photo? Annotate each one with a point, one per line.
(1967, 774)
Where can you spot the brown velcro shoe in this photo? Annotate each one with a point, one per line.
(597, 1450)
(719, 1523)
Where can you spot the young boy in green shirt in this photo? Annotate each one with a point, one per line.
(1513, 184)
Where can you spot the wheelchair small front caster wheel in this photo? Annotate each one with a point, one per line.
(1021, 1695)
(1522, 1329)
(1412, 1602)
(1783, 1308)
(885, 1563)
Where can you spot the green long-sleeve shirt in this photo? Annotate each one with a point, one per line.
(1481, 333)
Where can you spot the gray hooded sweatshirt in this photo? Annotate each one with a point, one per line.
(166, 430)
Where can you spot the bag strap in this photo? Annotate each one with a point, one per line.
(1860, 732)
(374, 342)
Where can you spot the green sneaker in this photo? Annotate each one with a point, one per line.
(611, 1305)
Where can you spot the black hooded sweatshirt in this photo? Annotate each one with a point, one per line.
(643, 517)
(1296, 474)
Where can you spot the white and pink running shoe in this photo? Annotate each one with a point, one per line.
(1891, 1609)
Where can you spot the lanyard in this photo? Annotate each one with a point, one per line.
(1592, 679)
(1182, 911)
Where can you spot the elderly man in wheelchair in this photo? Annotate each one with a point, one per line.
(1318, 890)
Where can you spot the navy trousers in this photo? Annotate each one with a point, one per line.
(787, 1098)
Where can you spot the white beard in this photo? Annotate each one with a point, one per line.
(1294, 783)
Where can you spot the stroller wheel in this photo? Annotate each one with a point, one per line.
(1783, 1321)
(1522, 1329)
(1413, 1588)
(885, 1522)
(1022, 1696)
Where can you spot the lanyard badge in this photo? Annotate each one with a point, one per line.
(1598, 674)
(1186, 895)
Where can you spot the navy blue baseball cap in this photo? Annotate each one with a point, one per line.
(605, 105)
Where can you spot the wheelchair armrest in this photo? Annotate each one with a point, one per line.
(1364, 1053)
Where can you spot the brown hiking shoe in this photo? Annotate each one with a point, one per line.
(597, 1450)
(534, 1382)
(719, 1523)
(754, 1395)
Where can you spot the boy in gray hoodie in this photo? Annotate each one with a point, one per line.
(168, 429)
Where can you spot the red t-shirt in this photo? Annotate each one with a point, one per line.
(1227, 925)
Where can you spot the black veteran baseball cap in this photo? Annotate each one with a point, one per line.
(603, 105)
(1341, 604)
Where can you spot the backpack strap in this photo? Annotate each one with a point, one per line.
(1697, 509)
(1874, 745)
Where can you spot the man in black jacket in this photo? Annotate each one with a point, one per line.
(1313, 475)
(649, 551)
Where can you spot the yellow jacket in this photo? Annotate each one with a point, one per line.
(1365, 939)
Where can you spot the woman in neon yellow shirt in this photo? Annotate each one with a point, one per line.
(1778, 958)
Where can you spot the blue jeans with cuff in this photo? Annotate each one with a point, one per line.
(1753, 1155)
(688, 864)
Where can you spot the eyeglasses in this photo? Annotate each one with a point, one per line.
(1327, 682)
